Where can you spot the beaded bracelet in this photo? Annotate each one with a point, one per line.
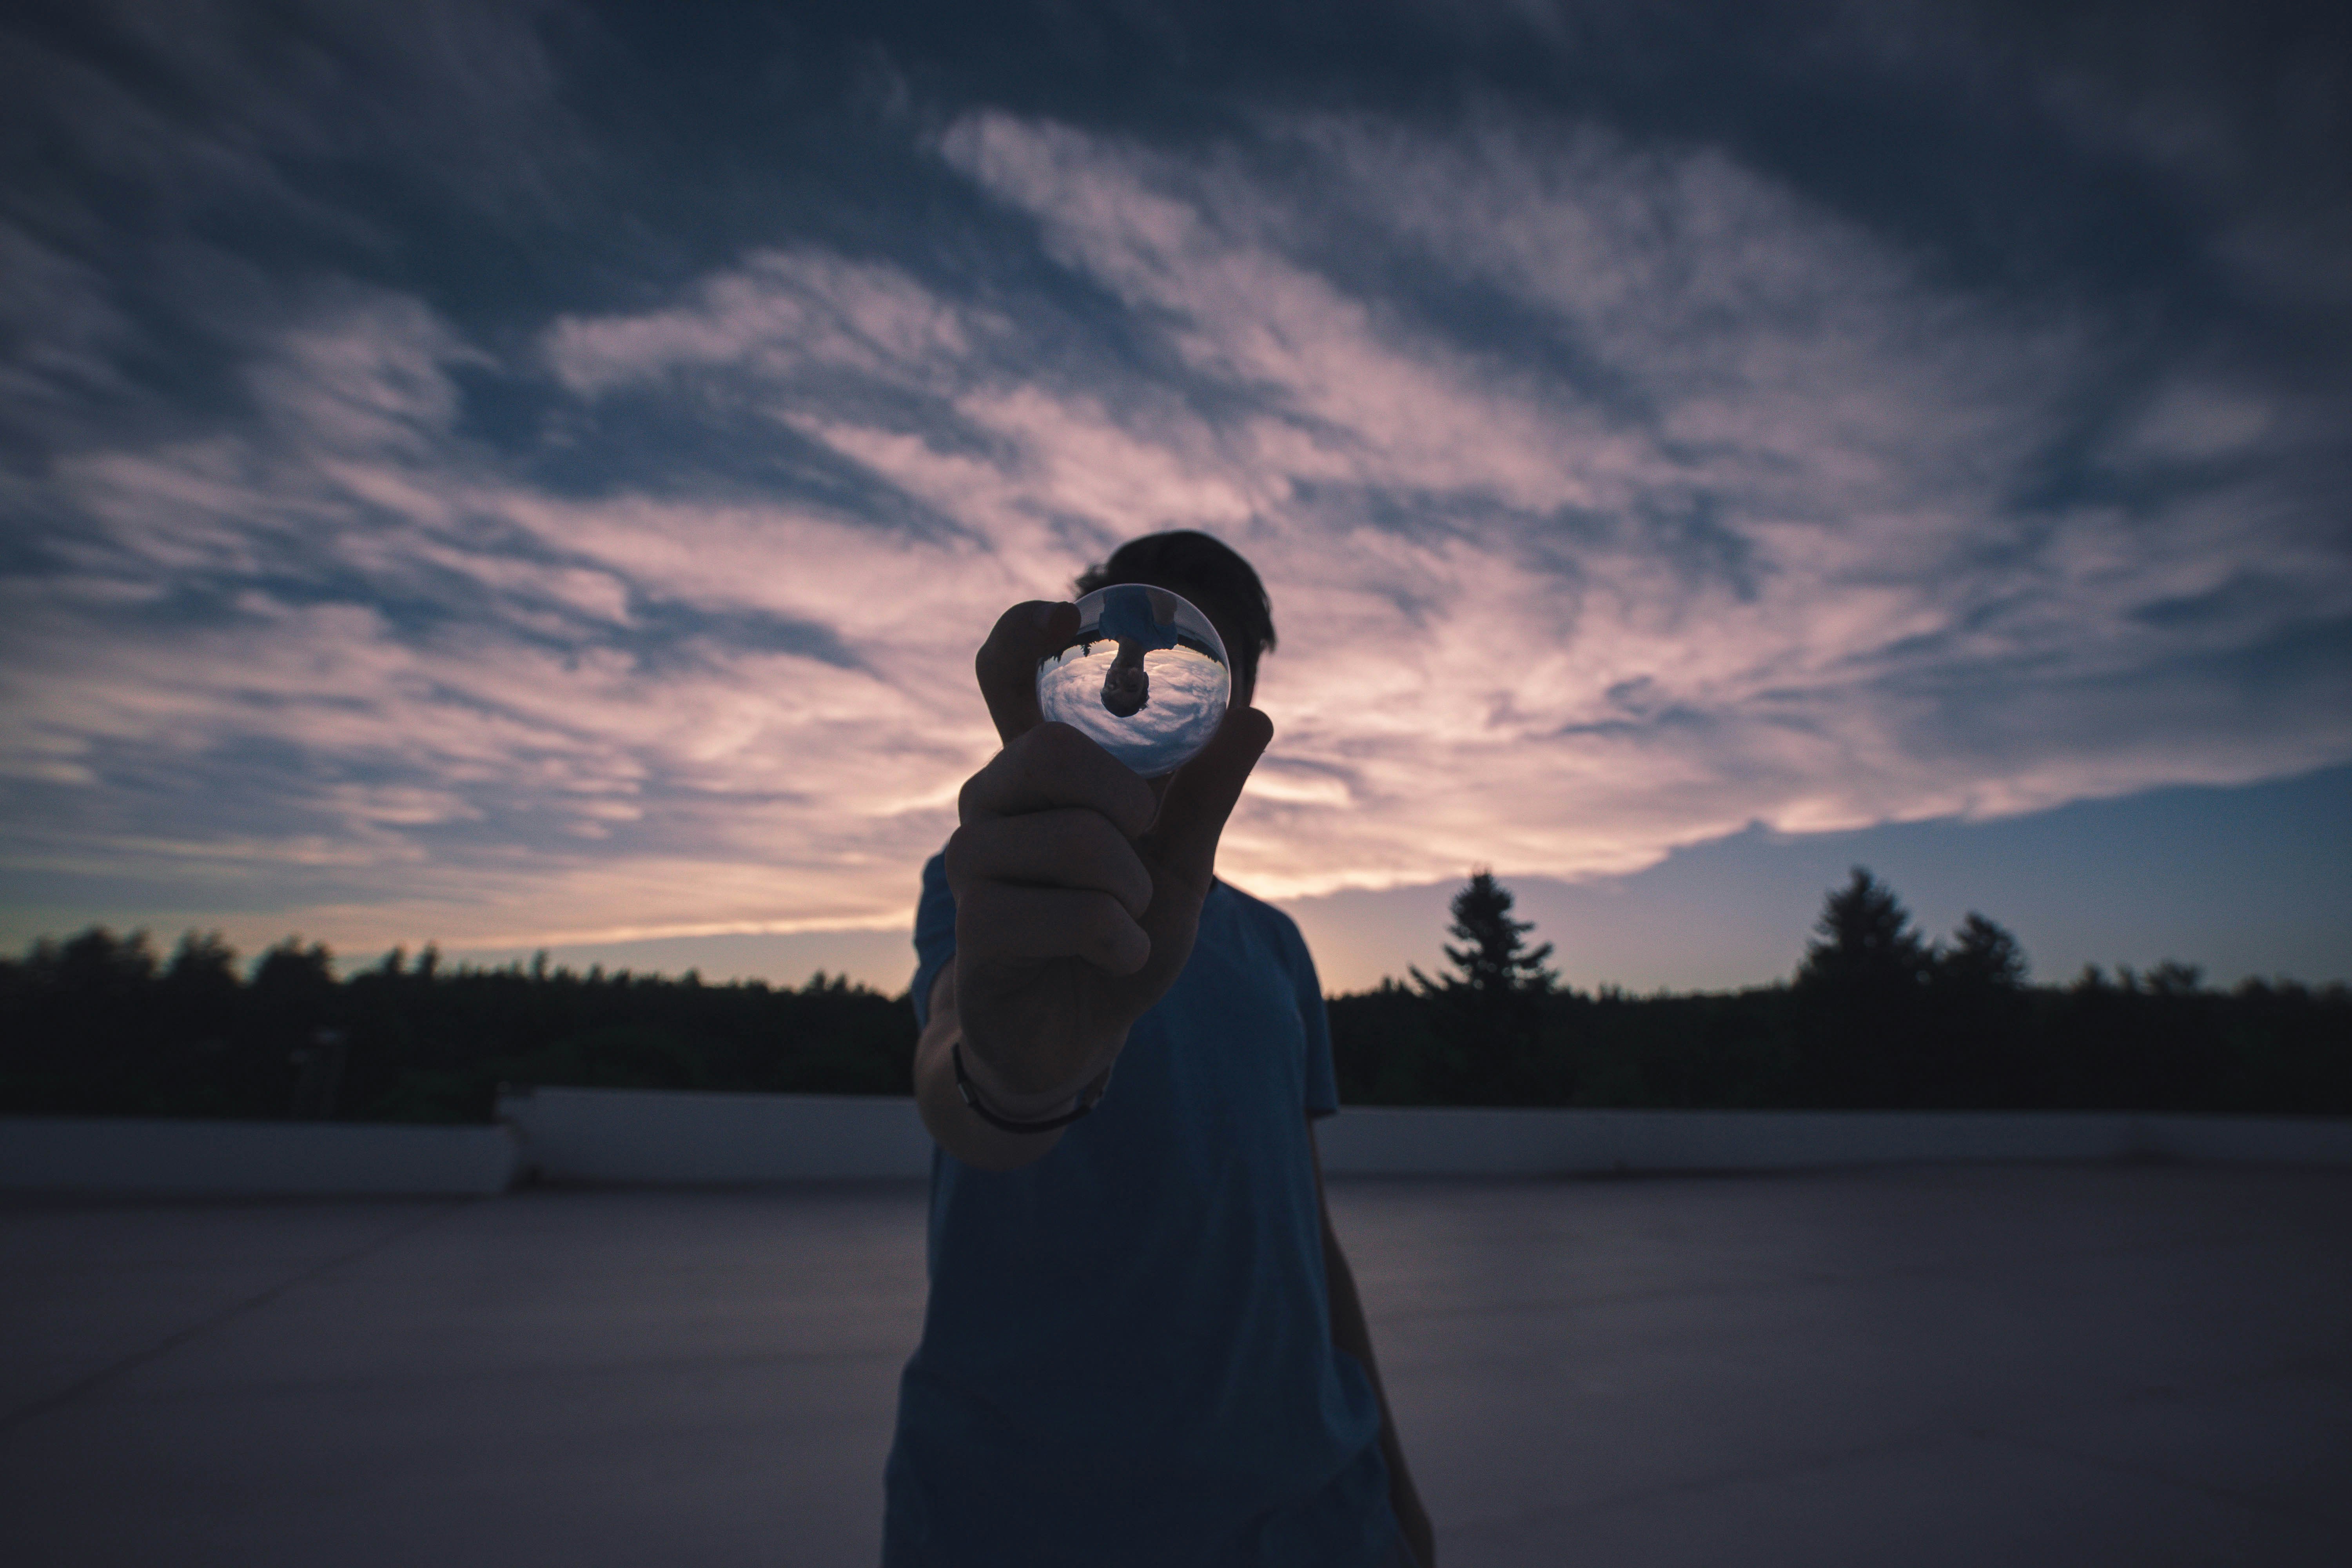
(1086, 1098)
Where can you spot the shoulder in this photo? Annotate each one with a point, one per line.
(935, 919)
(1260, 922)
(935, 915)
(935, 901)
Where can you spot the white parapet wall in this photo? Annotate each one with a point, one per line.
(657, 1137)
(660, 1138)
(2248, 1139)
(1374, 1141)
(670, 1137)
(277, 1158)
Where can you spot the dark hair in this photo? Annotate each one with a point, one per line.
(1209, 573)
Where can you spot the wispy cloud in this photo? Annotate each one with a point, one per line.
(1614, 493)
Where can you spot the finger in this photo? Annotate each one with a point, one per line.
(1192, 813)
(1001, 921)
(1007, 662)
(1072, 849)
(1050, 766)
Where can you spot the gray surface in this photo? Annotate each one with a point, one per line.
(2017, 1366)
(188, 1156)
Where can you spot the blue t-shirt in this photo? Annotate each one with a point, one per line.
(1127, 618)
(1127, 1358)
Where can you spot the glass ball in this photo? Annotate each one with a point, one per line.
(1145, 677)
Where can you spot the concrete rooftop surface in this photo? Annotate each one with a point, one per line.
(2012, 1365)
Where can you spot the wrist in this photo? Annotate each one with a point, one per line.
(1048, 1119)
(1028, 1104)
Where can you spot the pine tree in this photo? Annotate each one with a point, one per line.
(1865, 941)
(1495, 960)
(1863, 986)
(1982, 956)
(1487, 1015)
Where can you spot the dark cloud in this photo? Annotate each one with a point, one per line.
(533, 459)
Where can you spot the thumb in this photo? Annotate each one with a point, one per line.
(1203, 792)
(1007, 663)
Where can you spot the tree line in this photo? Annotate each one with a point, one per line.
(1876, 1016)
(98, 1025)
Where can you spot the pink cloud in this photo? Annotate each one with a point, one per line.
(1765, 568)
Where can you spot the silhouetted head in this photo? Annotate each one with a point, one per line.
(1127, 686)
(1213, 576)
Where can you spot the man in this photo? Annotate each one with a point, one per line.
(1143, 1345)
(1140, 621)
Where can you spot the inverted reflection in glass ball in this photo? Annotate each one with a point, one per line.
(1145, 677)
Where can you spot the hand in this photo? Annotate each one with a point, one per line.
(1077, 885)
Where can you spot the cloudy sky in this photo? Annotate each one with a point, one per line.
(535, 475)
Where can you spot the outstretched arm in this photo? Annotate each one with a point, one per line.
(1350, 1333)
(1078, 898)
